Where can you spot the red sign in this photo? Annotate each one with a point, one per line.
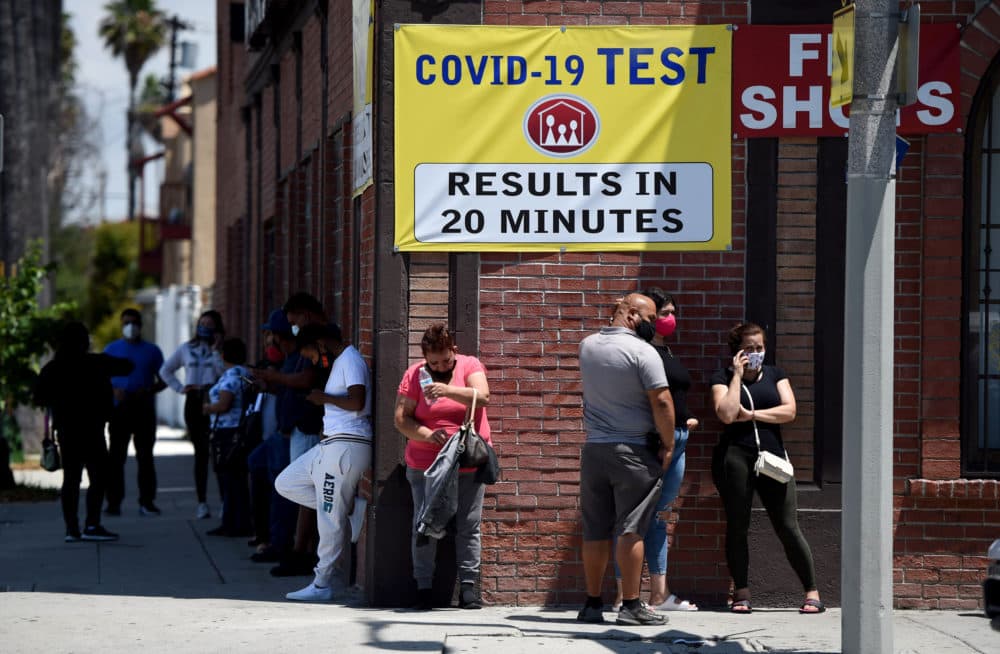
(781, 82)
(561, 125)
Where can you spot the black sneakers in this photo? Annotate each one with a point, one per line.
(425, 600)
(148, 508)
(98, 533)
(591, 614)
(641, 615)
(468, 598)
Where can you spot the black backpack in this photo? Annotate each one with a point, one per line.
(230, 446)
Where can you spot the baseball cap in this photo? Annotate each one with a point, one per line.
(277, 322)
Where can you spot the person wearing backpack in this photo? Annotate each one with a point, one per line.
(228, 399)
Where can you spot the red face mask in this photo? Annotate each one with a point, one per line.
(665, 325)
(273, 354)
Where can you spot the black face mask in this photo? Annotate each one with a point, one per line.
(645, 330)
(441, 377)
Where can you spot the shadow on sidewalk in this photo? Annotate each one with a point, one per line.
(163, 556)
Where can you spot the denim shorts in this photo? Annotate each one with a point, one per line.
(301, 443)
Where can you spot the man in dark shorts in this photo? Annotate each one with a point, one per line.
(625, 396)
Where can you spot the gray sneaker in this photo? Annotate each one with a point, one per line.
(640, 616)
(591, 614)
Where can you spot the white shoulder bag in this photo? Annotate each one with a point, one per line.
(771, 465)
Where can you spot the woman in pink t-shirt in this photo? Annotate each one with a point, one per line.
(428, 417)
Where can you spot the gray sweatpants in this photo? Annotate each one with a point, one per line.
(468, 546)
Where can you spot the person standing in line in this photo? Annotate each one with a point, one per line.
(202, 364)
(428, 414)
(76, 387)
(679, 379)
(267, 460)
(134, 416)
(325, 479)
(302, 310)
(625, 396)
(753, 400)
(224, 404)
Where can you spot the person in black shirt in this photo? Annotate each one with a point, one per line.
(753, 400)
(76, 387)
(660, 597)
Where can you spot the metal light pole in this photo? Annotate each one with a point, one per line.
(866, 545)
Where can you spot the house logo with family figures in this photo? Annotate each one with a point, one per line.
(561, 125)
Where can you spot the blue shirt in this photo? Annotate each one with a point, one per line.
(147, 358)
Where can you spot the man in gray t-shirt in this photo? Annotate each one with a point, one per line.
(625, 396)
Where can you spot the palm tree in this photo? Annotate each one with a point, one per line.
(133, 30)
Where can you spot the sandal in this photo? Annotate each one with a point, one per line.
(741, 606)
(817, 606)
(672, 603)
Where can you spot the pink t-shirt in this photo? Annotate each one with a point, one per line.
(445, 413)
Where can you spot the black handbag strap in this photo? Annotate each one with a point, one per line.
(470, 417)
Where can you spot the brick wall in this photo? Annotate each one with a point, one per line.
(944, 523)
(534, 310)
(796, 292)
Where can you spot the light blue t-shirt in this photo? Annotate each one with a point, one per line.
(231, 381)
(618, 368)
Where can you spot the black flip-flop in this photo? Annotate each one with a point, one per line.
(815, 603)
(741, 603)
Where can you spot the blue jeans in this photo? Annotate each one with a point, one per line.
(266, 462)
(656, 536)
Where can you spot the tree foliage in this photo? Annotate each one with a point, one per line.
(75, 153)
(133, 30)
(25, 331)
(115, 276)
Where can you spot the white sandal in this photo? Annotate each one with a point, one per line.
(673, 604)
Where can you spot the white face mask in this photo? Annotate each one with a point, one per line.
(295, 330)
(130, 331)
(755, 360)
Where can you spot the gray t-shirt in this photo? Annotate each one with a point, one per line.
(618, 368)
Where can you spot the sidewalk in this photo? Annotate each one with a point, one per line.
(167, 587)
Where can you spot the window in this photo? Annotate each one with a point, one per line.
(981, 347)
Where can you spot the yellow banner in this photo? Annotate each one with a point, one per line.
(842, 73)
(572, 138)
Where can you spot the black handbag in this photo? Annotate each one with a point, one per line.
(475, 452)
(50, 450)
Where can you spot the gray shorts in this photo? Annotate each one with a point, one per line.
(619, 488)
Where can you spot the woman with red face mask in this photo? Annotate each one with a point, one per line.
(660, 597)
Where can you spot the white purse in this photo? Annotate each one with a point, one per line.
(771, 465)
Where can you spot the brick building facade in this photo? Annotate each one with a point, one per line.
(287, 221)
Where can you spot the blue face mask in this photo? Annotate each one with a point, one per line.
(206, 334)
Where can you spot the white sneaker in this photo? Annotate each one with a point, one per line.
(311, 593)
(203, 513)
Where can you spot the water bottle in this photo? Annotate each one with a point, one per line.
(425, 381)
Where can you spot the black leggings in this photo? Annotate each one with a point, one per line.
(198, 429)
(82, 447)
(734, 477)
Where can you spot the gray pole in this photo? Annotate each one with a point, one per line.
(866, 545)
